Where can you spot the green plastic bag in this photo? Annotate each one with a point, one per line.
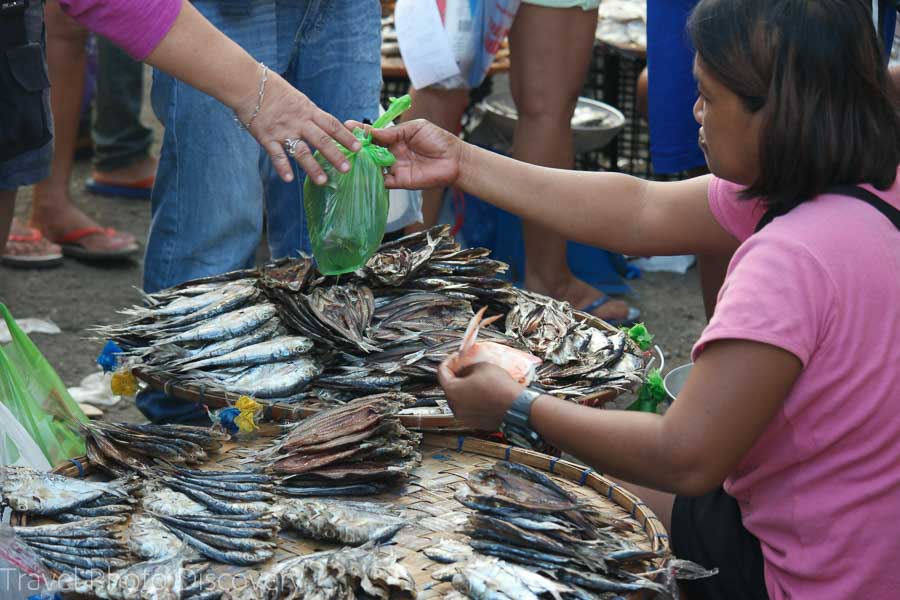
(37, 398)
(346, 217)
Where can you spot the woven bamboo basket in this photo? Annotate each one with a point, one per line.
(426, 500)
(217, 398)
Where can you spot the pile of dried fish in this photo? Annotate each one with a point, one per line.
(119, 447)
(247, 494)
(33, 492)
(356, 448)
(364, 572)
(524, 517)
(166, 579)
(384, 328)
(352, 523)
(85, 548)
(221, 333)
(230, 539)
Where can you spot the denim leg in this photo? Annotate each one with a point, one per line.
(337, 64)
(120, 139)
(207, 201)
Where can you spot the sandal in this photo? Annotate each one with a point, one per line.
(139, 189)
(72, 245)
(40, 252)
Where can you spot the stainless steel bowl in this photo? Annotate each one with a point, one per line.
(674, 381)
(594, 123)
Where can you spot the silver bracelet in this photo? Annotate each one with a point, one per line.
(259, 100)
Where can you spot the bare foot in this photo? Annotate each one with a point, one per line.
(580, 294)
(130, 175)
(58, 219)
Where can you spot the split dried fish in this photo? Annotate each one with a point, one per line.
(34, 492)
(364, 572)
(352, 523)
(360, 442)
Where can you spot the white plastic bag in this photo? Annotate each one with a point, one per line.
(95, 389)
(405, 205)
(16, 446)
(472, 33)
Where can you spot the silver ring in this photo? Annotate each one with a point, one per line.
(290, 145)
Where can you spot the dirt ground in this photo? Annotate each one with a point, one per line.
(78, 296)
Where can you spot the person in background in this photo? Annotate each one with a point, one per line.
(551, 43)
(672, 92)
(173, 36)
(122, 165)
(53, 210)
(214, 185)
(794, 385)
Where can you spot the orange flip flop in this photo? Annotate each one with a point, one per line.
(72, 245)
(39, 258)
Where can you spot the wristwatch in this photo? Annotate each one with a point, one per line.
(516, 427)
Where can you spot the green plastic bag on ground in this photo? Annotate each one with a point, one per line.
(346, 217)
(37, 398)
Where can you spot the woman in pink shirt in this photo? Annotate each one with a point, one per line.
(784, 445)
(170, 35)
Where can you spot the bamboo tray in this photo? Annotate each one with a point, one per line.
(426, 500)
(445, 423)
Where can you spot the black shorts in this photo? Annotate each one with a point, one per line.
(709, 531)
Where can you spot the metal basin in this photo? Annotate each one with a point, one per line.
(594, 123)
(675, 380)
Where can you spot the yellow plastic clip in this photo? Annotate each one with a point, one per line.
(123, 383)
(246, 421)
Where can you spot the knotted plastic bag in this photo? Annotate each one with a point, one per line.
(346, 217)
(37, 398)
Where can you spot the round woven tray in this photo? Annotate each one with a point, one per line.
(426, 500)
(217, 398)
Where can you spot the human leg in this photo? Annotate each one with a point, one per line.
(121, 142)
(551, 51)
(53, 211)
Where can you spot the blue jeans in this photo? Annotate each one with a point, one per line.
(214, 181)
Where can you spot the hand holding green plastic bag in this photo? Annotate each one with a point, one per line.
(35, 395)
(346, 217)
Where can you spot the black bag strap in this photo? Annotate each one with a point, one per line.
(852, 191)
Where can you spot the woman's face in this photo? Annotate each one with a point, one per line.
(729, 133)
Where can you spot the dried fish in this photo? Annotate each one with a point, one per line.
(34, 492)
(360, 442)
(366, 572)
(149, 540)
(352, 523)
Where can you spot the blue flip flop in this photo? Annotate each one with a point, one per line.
(633, 313)
(139, 189)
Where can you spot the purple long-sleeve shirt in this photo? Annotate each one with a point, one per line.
(137, 26)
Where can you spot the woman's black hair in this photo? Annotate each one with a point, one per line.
(815, 71)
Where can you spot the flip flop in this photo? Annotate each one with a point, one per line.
(633, 313)
(137, 189)
(31, 261)
(71, 245)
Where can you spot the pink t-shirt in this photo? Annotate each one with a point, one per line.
(136, 26)
(821, 486)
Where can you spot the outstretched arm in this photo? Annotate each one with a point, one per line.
(618, 212)
(189, 48)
